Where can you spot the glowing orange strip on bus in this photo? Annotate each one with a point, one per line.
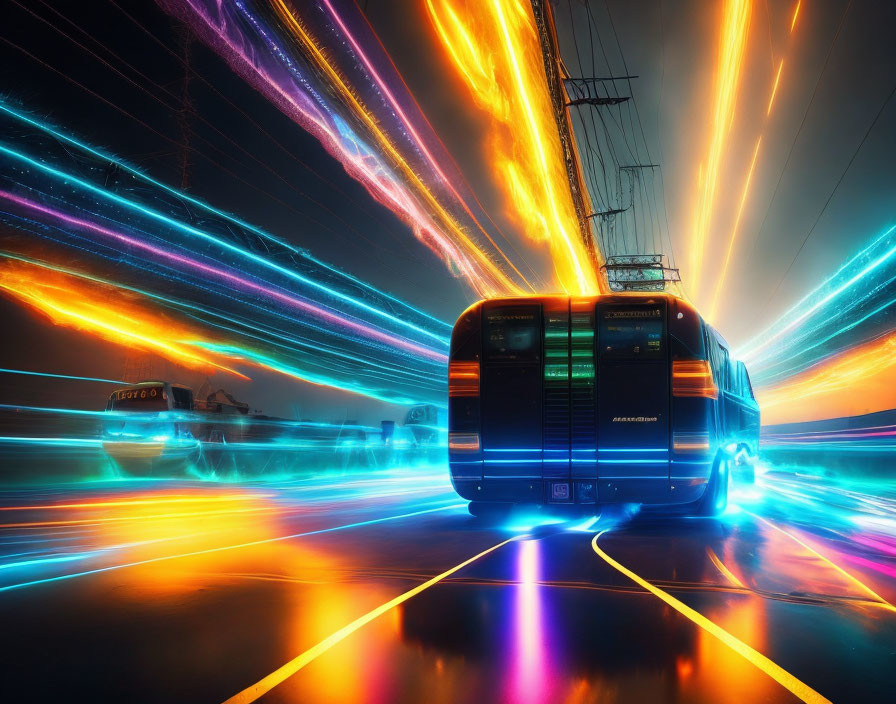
(463, 379)
(693, 378)
(463, 442)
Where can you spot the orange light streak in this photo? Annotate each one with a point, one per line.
(878, 599)
(771, 100)
(860, 380)
(495, 48)
(106, 313)
(713, 307)
(141, 517)
(736, 20)
(720, 566)
(748, 181)
(496, 280)
(175, 499)
(796, 12)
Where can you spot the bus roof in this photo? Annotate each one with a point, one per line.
(618, 297)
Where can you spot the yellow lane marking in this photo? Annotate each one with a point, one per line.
(772, 669)
(265, 685)
(720, 566)
(880, 601)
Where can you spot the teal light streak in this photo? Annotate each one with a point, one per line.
(277, 366)
(221, 243)
(318, 347)
(766, 378)
(59, 376)
(135, 172)
(766, 339)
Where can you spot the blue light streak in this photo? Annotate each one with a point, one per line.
(195, 232)
(861, 289)
(59, 376)
(219, 213)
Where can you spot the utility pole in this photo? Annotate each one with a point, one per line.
(547, 36)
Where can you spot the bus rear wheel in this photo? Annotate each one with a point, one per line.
(715, 498)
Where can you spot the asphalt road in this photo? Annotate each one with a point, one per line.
(382, 588)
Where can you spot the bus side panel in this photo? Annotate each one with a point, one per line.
(511, 393)
(749, 413)
(633, 394)
(751, 426)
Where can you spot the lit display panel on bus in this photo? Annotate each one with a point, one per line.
(512, 334)
(632, 333)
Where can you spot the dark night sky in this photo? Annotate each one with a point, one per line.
(309, 200)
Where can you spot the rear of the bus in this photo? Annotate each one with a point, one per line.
(561, 400)
(580, 400)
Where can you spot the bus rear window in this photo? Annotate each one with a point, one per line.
(631, 333)
(146, 399)
(512, 334)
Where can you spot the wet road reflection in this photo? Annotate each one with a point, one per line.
(384, 589)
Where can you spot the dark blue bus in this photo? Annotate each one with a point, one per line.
(596, 399)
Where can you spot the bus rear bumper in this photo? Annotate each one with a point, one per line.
(658, 492)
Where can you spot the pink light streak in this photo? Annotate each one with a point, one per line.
(529, 672)
(360, 163)
(876, 566)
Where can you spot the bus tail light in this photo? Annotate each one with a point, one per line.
(463, 442)
(463, 379)
(693, 378)
(690, 442)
